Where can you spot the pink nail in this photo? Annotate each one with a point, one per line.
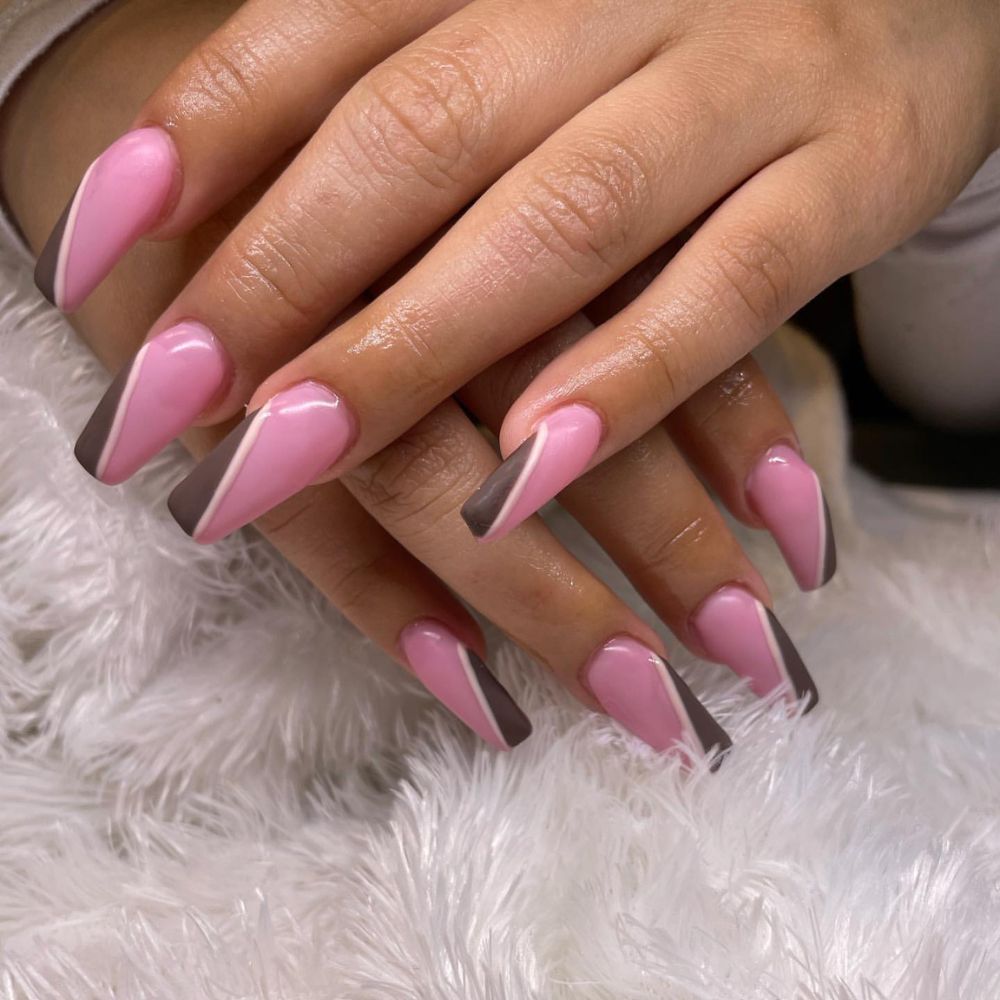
(559, 451)
(464, 684)
(121, 197)
(170, 381)
(787, 496)
(646, 695)
(739, 631)
(275, 452)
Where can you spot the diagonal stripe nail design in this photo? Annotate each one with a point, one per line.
(121, 197)
(557, 453)
(788, 497)
(156, 396)
(741, 632)
(646, 695)
(273, 454)
(464, 684)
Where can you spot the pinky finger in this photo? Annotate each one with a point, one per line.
(398, 603)
(757, 469)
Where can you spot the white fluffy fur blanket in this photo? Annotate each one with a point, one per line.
(211, 787)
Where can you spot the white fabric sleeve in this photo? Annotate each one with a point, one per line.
(27, 29)
(929, 312)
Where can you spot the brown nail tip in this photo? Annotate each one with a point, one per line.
(830, 552)
(514, 725)
(47, 264)
(94, 436)
(714, 740)
(192, 495)
(481, 510)
(798, 672)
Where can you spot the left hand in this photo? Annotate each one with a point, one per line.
(823, 131)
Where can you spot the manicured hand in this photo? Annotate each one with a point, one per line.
(386, 543)
(811, 136)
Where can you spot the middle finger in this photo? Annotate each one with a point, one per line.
(593, 201)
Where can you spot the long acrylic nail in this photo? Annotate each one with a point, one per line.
(739, 631)
(121, 197)
(787, 496)
(275, 452)
(558, 452)
(647, 696)
(463, 683)
(170, 381)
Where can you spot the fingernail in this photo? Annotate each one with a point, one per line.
(646, 695)
(121, 197)
(787, 496)
(275, 452)
(739, 631)
(463, 683)
(558, 452)
(170, 381)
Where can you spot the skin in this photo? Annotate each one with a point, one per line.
(386, 543)
(810, 137)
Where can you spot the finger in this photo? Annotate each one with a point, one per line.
(543, 241)
(247, 94)
(398, 603)
(735, 431)
(408, 147)
(737, 435)
(387, 594)
(651, 514)
(530, 587)
(774, 244)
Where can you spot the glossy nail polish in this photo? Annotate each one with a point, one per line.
(646, 695)
(156, 396)
(275, 452)
(739, 631)
(787, 496)
(558, 452)
(464, 684)
(121, 197)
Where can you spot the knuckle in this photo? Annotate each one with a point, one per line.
(429, 113)
(352, 585)
(755, 275)
(586, 208)
(654, 349)
(670, 552)
(224, 78)
(419, 370)
(419, 479)
(272, 274)
(290, 518)
(338, 14)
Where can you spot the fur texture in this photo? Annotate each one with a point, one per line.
(211, 787)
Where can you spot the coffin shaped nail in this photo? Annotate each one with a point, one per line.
(275, 452)
(559, 451)
(121, 197)
(460, 680)
(787, 495)
(171, 380)
(741, 632)
(646, 695)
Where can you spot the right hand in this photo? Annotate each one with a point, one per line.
(386, 544)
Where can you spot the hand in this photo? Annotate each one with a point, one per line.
(683, 557)
(591, 133)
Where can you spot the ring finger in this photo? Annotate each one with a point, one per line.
(649, 511)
